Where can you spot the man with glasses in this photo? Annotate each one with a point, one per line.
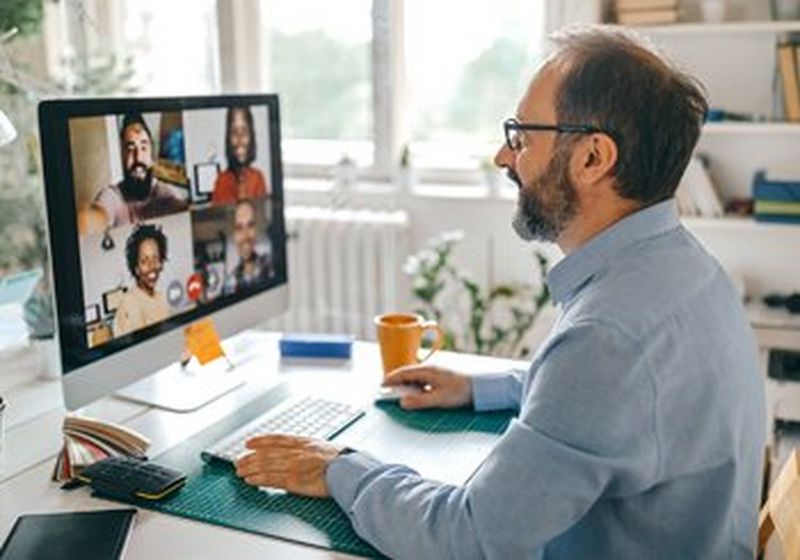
(641, 421)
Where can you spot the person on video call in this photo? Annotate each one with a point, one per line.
(640, 423)
(142, 304)
(241, 179)
(139, 196)
(253, 268)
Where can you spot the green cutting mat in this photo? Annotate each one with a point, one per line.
(214, 494)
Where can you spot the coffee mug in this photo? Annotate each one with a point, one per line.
(400, 336)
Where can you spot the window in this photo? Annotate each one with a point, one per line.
(319, 62)
(461, 85)
(170, 59)
(367, 78)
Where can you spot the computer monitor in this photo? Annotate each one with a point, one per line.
(161, 211)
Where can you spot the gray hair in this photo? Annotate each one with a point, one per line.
(652, 110)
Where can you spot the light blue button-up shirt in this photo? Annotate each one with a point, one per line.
(641, 423)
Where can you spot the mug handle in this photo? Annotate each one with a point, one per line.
(437, 344)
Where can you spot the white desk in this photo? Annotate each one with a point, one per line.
(31, 445)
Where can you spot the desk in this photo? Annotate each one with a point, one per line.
(31, 445)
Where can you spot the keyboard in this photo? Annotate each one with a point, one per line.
(305, 416)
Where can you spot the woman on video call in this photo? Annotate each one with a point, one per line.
(241, 179)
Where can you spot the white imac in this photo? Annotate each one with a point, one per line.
(139, 252)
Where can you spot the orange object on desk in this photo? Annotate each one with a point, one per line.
(203, 341)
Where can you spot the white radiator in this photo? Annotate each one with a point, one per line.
(345, 266)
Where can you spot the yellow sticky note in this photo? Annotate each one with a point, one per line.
(203, 341)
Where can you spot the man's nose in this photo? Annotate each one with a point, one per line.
(504, 157)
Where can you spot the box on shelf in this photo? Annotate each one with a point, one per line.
(776, 197)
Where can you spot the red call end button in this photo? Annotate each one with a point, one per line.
(194, 287)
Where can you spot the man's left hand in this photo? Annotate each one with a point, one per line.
(296, 464)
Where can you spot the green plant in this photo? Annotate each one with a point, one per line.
(497, 318)
(25, 15)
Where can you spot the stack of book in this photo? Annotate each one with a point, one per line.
(696, 194)
(776, 195)
(646, 12)
(87, 441)
(789, 71)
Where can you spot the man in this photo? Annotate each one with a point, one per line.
(641, 419)
(253, 268)
(142, 304)
(139, 196)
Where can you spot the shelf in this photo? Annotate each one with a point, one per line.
(740, 225)
(731, 127)
(742, 27)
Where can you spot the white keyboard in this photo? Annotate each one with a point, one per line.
(307, 416)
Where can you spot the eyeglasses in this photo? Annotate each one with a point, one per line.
(513, 130)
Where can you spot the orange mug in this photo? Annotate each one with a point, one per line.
(400, 336)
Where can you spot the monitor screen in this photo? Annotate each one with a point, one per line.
(160, 212)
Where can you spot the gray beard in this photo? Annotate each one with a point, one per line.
(532, 220)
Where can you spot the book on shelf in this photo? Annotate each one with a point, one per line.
(634, 5)
(87, 440)
(789, 73)
(777, 208)
(776, 195)
(696, 194)
(647, 17)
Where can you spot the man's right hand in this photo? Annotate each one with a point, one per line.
(441, 388)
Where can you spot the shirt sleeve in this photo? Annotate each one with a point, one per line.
(497, 391)
(586, 431)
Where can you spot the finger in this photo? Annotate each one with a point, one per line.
(276, 440)
(420, 375)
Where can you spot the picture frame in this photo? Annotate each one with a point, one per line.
(112, 298)
(205, 176)
(92, 314)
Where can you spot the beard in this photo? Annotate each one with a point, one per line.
(135, 188)
(548, 203)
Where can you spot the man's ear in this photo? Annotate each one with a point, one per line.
(597, 158)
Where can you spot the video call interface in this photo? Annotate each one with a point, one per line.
(174, 210)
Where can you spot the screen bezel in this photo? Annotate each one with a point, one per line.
(54, 117)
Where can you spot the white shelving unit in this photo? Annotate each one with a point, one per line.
(736, 63)
(732, 27)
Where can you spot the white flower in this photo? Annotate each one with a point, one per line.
(452, 236)
(412, 265)
(426, 256)
(419, 283)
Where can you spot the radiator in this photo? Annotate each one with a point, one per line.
(344, 266)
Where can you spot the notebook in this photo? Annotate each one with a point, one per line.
(88, 535)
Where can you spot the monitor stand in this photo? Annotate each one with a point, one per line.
(185, 388)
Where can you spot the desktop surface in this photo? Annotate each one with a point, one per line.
(159, 535)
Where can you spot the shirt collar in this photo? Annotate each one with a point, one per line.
(576, 268)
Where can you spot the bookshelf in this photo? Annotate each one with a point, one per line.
(727, 27)
(736, 62)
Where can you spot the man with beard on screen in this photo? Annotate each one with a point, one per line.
(640, 423)
(253, 267)
(139, 196)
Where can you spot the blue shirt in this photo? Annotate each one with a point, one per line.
(641, 425)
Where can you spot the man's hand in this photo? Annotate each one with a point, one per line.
(441, 388)
(296, 464)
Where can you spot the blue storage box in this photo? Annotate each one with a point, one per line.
(316, 346)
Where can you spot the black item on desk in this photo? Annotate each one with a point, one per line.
(790, 302)
(88, 535)
(126, 477)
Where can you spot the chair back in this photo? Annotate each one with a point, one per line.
(781, 512)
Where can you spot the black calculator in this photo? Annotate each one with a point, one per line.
(127, 477)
